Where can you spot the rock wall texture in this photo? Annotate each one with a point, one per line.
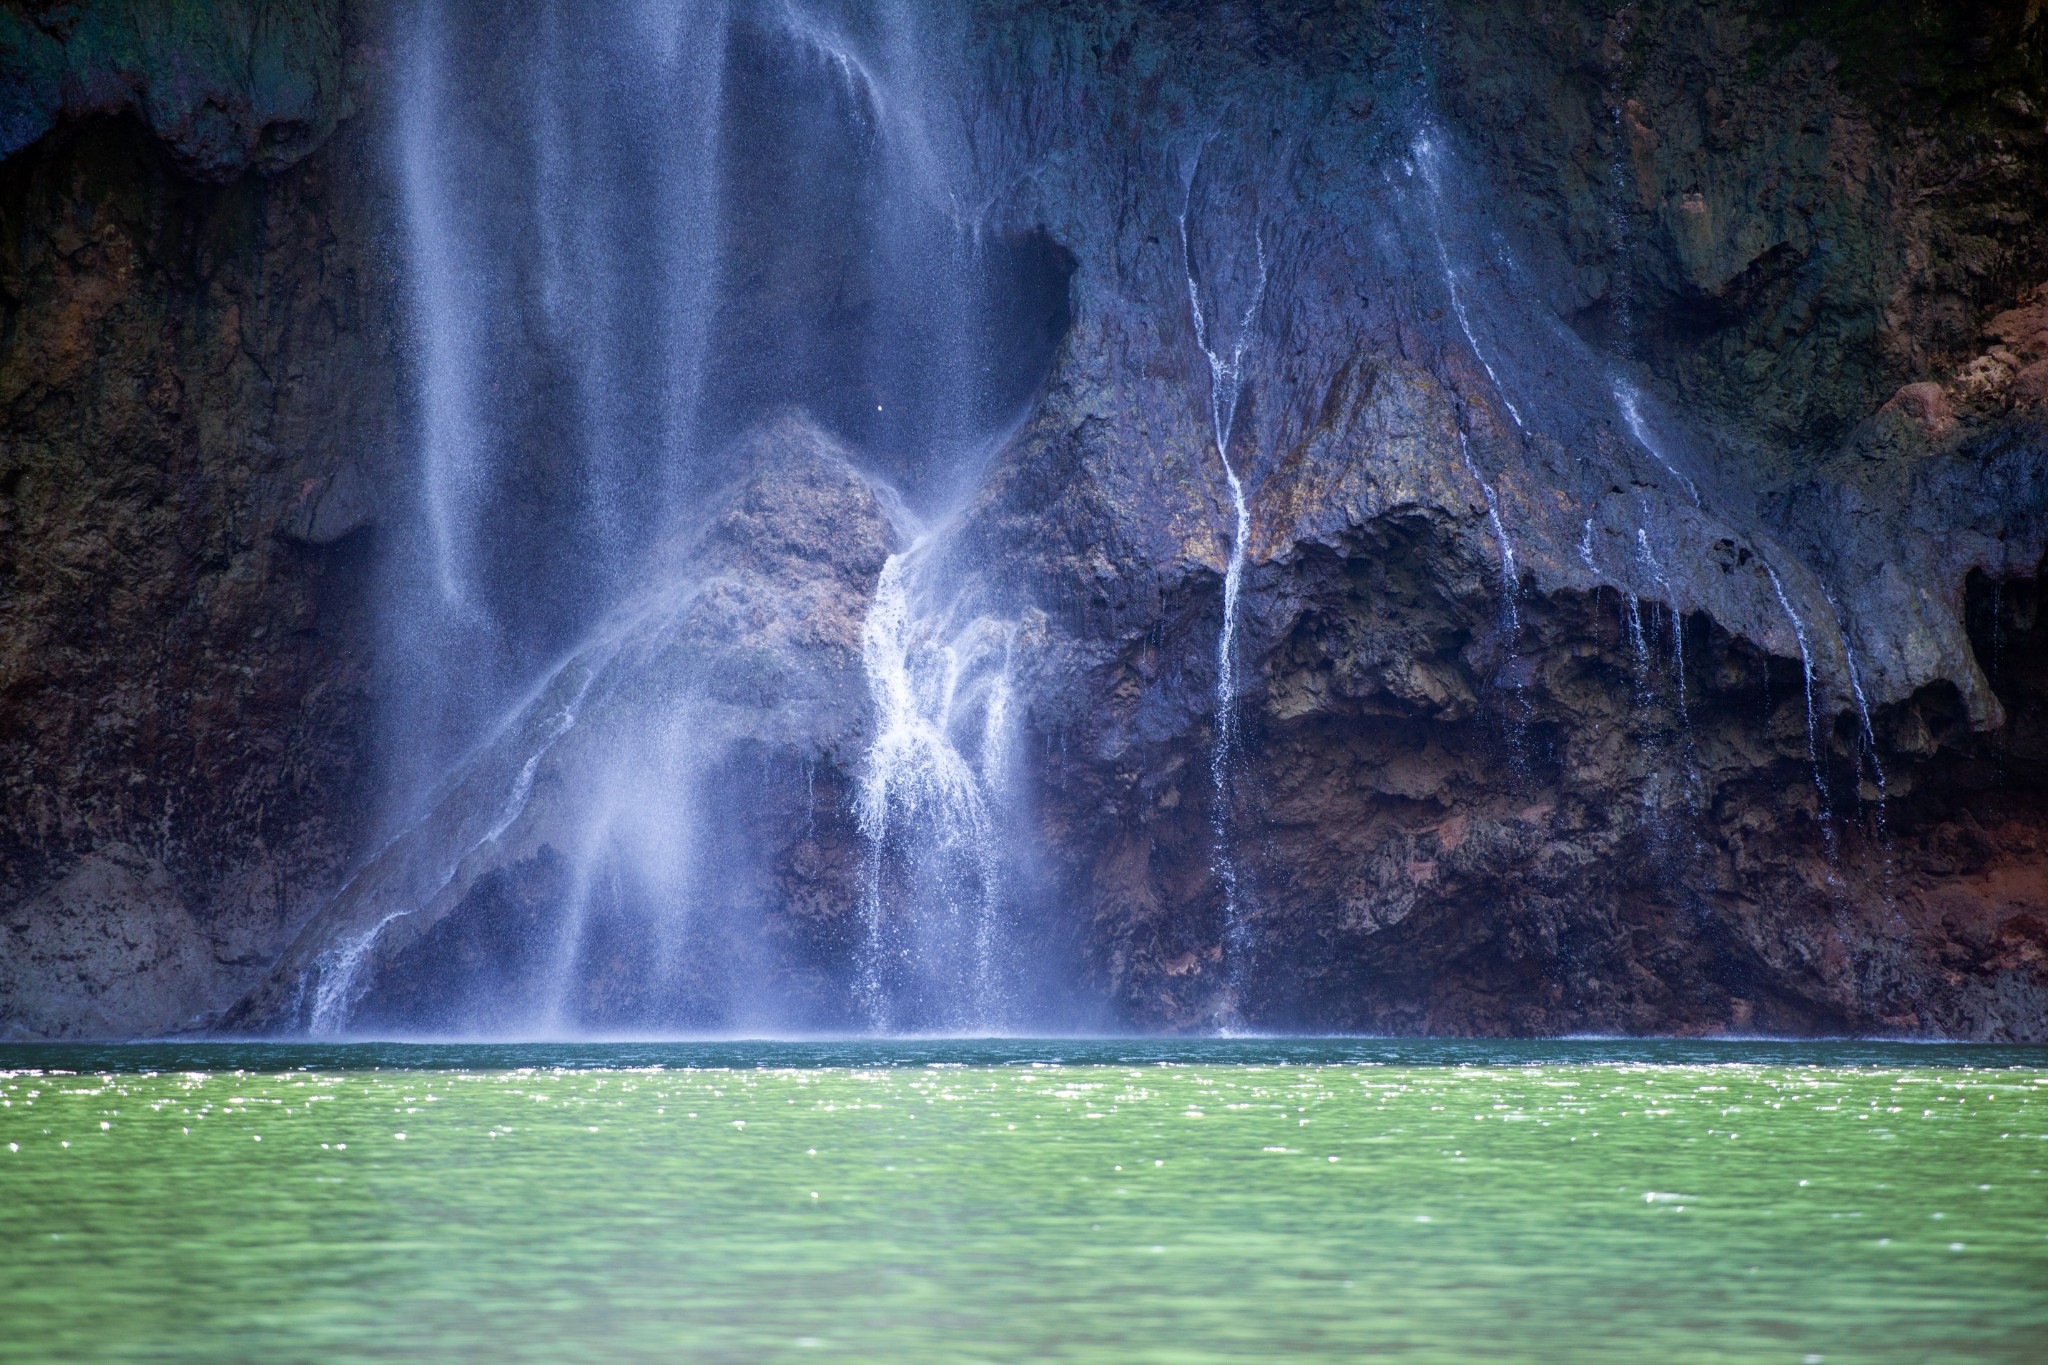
(1641, 418)
(197, 389)
(1555, 716)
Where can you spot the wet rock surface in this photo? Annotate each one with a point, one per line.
(1662, 717)
(1640, 417)
(197, 394)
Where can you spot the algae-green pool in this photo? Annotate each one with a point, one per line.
(1017, 1200)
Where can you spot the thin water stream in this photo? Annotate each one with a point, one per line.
(1226, 361)
(1813, 749)
(1428, 157)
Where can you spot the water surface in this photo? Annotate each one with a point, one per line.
(1024, 1200)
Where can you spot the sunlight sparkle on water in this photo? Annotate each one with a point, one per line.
(1200, 1206)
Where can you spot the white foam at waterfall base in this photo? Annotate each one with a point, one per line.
(932, 910)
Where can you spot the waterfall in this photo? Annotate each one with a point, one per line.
(562, 210)
(935, 786)
(637, 235)
(593, 233)
(443, 308)
(1226, 385)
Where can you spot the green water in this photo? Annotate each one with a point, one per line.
(1109, 1201)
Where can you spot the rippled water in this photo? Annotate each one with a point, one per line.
(1125, 1201)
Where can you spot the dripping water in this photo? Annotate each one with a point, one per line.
(1687, 751)
(1867, 746)
(1813, 749)
(1428, 156)
(1510, 622)
(1226, 386)
(1509, 580)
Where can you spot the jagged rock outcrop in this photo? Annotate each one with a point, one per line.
(225, 85)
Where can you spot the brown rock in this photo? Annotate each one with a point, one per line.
(2030, 386)
(2024, 329)
(1927, 404)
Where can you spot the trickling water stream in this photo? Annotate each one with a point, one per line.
(1813, 749)
(1429, 158)
(1226, 360)
(1509, 582)
(1867, 751)
(1630, 404)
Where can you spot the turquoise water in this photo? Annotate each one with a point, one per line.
(1187, 1201)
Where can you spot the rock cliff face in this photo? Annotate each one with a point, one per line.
(196, 390)
(1633, 689)
(1640, 420)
